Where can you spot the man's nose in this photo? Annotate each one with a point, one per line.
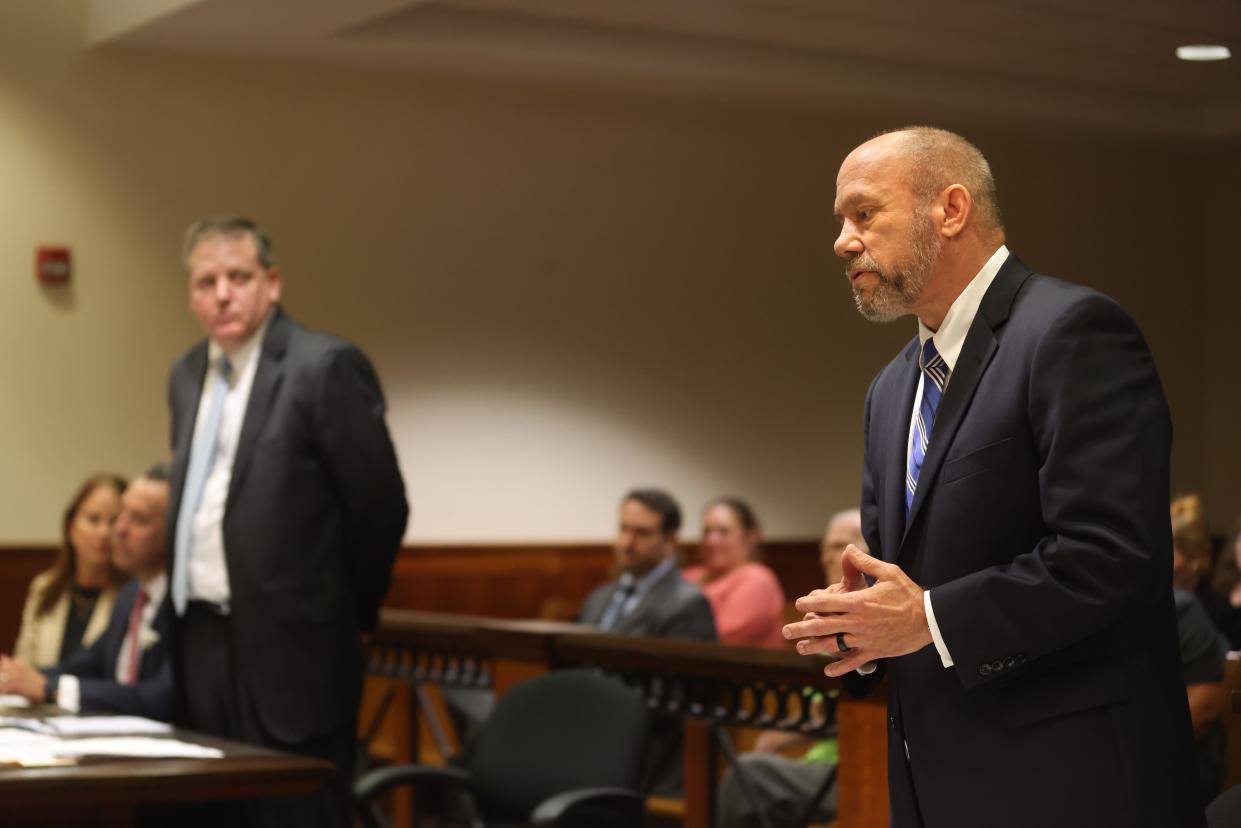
(848, 244)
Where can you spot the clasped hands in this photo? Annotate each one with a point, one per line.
(21, 679)
(873, 621)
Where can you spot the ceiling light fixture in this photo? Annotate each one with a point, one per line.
(1203, 52)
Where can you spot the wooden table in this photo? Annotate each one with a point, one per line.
(106, 791)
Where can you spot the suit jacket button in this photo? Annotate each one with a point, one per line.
(1020, 658)
(984, 670)
(997, 666)
(1010, 662)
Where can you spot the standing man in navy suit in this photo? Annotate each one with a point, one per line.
(1014, 499)
(289, 509)
(128, 669)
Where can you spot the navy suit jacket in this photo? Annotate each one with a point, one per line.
(1040, 525)
(313, 521)
(152, 696)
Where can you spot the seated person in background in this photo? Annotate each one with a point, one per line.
(745, 595)
(1203, 652)
(128, 669)
(783, 787)
(1192, 561)
(68, 606)
(650, 597)
(1227, 582)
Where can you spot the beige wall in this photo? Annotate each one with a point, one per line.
(1222, 296)
(566, 292)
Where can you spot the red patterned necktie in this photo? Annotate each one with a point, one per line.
(135, 638)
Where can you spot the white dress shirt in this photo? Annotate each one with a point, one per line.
(68, 689)
(949, 339)
(208, 568)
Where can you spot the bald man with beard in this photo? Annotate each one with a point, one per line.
(1014, 497)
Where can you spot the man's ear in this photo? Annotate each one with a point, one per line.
(955, 207)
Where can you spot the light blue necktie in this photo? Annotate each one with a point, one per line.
(616, 607)
(202, 457)
(935, 377)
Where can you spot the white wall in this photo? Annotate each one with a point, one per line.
(566, 293)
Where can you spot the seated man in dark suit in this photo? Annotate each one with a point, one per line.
(650, 597)
(128, 669)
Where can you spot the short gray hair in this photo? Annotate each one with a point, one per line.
(940, 159)
(228, 227)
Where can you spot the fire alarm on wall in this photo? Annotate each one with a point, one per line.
(53, 265)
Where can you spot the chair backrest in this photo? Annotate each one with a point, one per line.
(560, 731)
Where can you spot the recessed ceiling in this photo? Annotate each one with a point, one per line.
(1108, 63)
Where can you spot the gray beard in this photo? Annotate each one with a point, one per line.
(901, 285)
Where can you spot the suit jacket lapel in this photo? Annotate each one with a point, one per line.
(896, 423)
(186, 392)
(267, 379)
(976, 354)
(654, 598)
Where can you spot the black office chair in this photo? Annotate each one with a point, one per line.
(563, 749)
(1225, 810)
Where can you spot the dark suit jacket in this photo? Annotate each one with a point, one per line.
(315, 514)
(1041, 527)
(95, 667)
(671, 608)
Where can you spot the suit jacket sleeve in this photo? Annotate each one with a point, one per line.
(693, 619)
(1102, 432)
(152, 696)
(857, 684)
(93, 661)
(361, 460)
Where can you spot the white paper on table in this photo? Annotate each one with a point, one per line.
(11, 736)
(10, 700)
(143, 746)
(24, 723)
(25, 747)
(106, 726)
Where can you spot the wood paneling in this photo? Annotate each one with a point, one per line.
(17, 566)
(516, 581)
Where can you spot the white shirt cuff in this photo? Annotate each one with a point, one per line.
(68, 694)
(944, 655)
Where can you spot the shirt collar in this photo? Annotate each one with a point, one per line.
(155, 588)
(951, 334)
(646, 581)
(241, 358)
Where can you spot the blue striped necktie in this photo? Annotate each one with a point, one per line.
(202, 458)
(934, 378)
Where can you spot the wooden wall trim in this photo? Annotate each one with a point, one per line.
(497, 580)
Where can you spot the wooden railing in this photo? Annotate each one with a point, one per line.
(706, 685)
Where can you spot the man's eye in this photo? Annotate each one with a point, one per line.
(863, 215)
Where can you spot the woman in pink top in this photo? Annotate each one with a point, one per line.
(745, 596)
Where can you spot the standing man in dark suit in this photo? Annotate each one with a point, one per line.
(289, 509)
(1014, 499)
(650, 597)
(128, 669)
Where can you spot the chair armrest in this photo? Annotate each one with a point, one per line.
(377, 781)
(590, 808)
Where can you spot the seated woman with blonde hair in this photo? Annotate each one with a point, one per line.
(746, 598)
(68, 606)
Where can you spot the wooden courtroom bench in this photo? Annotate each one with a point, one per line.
(705, 684)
